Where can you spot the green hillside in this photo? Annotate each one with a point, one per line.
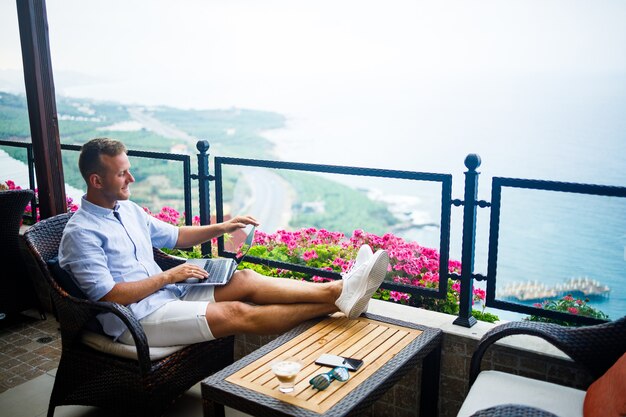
(230, 132)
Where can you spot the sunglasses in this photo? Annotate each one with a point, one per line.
(322, 381)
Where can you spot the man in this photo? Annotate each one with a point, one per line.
(107, 248)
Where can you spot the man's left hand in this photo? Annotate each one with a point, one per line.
(239, 222)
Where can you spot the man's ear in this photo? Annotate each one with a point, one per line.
(95, 181)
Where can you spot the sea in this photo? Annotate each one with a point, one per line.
(546, 127)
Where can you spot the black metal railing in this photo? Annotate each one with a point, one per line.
(445, 180)
(498, 184)
(470, 205)
(184, 159)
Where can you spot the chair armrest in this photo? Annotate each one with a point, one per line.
(91, 308)
(596, 347)
(136, 330)
(166, 261)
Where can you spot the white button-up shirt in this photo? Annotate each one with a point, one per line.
(99, 251)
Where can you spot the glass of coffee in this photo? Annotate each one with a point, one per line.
(286, 369)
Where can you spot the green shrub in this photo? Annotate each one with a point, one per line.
(567, 304)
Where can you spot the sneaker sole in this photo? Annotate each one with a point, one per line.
(375, 277)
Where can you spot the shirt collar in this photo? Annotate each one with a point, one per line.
(98, 210)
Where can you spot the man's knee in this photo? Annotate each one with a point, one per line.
(245, 277)
(227, 318)
(245, 282)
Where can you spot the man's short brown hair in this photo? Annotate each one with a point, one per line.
(89, 160)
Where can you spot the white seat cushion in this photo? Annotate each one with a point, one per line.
(105, 344)
(495, 388)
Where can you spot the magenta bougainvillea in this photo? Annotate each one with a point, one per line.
(410, 263)
(10, 185)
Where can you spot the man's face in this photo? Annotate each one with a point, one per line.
(117, 178)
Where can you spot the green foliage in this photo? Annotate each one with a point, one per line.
(484, 316)
(386, 295)
(326, 254)
(14, 123)
(570, 305)
(345, 209)
(409, 263)
(14, 101)
(448, 305)
(193, 253)
(229, 132)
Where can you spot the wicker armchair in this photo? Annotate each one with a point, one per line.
(594, 348)
(17, 292)
(85, 376)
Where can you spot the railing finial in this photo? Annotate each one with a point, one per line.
(472, 161)
(203, 145)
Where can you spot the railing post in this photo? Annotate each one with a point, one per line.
(465, 319)
(203, 188)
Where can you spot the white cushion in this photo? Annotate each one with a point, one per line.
(495, 388)
(105, 344)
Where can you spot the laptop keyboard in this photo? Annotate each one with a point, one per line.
(218, 268)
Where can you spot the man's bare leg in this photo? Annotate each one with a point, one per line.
(281, 304)
(252, 287)
(234, 317)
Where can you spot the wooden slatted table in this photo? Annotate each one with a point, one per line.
(388, 348)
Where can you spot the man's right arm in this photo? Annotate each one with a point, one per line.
(82, 252)
(130, 292)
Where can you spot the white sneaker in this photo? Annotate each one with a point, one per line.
(364, 255)
(361, 283)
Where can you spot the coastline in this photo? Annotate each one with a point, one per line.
(17, 171)
(525, 254)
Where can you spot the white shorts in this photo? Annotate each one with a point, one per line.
(179, 322)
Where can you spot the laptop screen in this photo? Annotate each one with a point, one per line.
(247, 244)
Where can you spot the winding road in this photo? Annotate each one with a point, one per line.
(267, 197)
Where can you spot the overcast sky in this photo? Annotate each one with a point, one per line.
(239, 52)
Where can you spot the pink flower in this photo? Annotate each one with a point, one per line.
(71, 207)
(572, 310)
(410, 263)
(479, 294)
(10, 184)
(308, 255)
(402, 280)
(399, 297)
(316, 278)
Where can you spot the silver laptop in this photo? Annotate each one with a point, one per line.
(220, 270)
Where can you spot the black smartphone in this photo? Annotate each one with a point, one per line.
(326, 359)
